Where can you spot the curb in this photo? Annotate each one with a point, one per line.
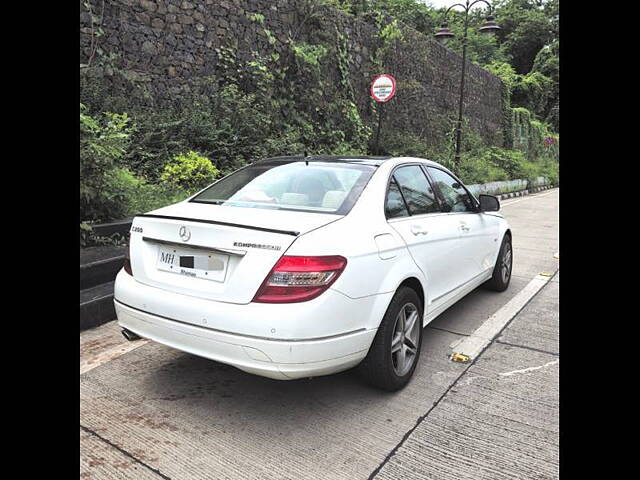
(96, 306)
(100, 271)
(521, 193)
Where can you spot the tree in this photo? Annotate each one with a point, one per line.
(417, 15)
(526, 28)
(534, 91)
(547, 63)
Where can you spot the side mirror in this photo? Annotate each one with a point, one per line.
(489, 203)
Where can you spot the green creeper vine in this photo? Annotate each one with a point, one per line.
(388, 34)
(309, 54)
(344, 58)
(507, 117)
(96, 32)
(259, 19)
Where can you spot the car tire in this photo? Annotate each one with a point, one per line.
(387, 369)
(501, 277)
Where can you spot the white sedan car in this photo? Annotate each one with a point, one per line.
(303, 266)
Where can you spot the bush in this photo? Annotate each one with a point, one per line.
(109, 191)
(103, 142)
(494, 164)
(549, 168)
(474, 168)
(407, 144)
(229, 126)
(499, 164)
(189, 171)
(136, 195)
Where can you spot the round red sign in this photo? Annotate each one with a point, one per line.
(383, 88)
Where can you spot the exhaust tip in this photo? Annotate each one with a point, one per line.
(129, 335)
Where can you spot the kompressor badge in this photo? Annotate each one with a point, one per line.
(257, 245)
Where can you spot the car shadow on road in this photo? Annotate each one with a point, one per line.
(167, 378)
(156, 396)
(204, 391)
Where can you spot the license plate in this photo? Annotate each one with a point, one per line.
(193, 263)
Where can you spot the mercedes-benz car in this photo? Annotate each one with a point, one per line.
(296, 267)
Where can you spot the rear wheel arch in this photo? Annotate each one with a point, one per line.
(416, 285)
(391, 347)
(412, 282)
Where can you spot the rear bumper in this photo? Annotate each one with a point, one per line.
(331, 314)
(278, 359)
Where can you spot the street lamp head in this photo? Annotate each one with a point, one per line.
(490, 26)
(443, 32)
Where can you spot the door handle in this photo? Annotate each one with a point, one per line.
(464, 228)
(418, 230)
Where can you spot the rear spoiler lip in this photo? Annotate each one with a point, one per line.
(226, 224)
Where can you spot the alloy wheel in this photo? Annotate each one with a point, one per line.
(406, 334)
(506, 264)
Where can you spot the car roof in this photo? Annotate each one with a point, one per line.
(375, 161)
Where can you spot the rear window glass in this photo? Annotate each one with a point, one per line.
(312, 187)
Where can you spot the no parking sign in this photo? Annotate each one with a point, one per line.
(383, 88)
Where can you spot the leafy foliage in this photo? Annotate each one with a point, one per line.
(415, 14)
(547, 64)
(103, 142)
(138, 195)
(351, 7)
(189, 171)
(279, 102)
(310, 54)
(527, 43)
(526, 28)
(532, 91)
(480, 163)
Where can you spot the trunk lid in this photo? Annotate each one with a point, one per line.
(215, 252)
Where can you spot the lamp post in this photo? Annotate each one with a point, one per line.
(443, 33)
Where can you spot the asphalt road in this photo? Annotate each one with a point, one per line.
(147, 411)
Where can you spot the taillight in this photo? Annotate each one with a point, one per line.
(127, 262)
(298, 279)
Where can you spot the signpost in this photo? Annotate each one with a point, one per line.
(383, 89)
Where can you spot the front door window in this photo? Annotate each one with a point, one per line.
(455, 197)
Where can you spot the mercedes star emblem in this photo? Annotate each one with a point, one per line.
(185, 233)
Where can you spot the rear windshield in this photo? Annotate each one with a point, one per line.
(311, 187)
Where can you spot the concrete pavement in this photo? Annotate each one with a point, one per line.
(154, 412)
(499, 420)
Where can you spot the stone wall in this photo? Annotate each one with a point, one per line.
(163, 44)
